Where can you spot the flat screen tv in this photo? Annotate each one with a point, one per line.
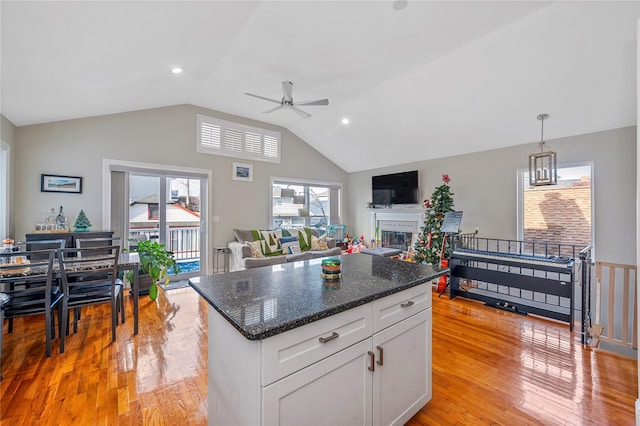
(395, 188)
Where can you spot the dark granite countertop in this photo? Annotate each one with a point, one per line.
(266, 301)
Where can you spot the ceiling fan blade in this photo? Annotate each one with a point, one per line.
(262, 97)
(316, 102)
(273, 109)
(287, 90)
(302, 113)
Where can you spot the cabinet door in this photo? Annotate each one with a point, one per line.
(334, 391)
(402, 384)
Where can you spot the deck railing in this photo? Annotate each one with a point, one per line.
(184, 242)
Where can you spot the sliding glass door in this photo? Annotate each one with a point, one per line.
(167, 208)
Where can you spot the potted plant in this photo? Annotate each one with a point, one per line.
(155, 264)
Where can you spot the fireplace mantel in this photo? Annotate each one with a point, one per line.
(408, 219)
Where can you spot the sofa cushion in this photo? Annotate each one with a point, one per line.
(318, 244)
(252, 262)
(256, 248)
(304, 237)
(289, 245)
(269, 241)
(243, 235)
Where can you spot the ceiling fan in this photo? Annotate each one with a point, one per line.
(287, 101)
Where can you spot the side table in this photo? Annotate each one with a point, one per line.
(4, 299)
(221, 260)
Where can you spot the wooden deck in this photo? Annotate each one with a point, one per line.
(489, 367)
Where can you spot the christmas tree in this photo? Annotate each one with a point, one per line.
(428, 248)
(82, 222)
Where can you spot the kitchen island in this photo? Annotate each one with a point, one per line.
(284, 348)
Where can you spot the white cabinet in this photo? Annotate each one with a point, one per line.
(334, 391)
(402, 376)
(368, 365)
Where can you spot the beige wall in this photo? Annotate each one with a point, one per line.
(7, 134)
(485, 188)
(159, 136)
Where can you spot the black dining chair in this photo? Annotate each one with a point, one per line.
(26, 277)
(98, 242)
(89, 276)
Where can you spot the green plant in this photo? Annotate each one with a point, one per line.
(155, 261)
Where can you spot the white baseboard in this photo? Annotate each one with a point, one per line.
(637, 412)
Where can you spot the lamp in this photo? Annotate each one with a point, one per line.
(543, 169)
(304, 212)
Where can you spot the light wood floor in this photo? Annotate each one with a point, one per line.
(489, 367)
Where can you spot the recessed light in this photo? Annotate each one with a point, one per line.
(400, 4)
(345, 120)
(176, 70)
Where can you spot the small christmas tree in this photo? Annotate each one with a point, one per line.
(82, 222)
(429, 245)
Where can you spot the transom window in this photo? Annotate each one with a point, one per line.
(222, 137)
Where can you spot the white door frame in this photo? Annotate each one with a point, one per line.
(109, 165)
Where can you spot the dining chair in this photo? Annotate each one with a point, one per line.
(36, 245)
(27, 279)
(89, 276)
(98, 242)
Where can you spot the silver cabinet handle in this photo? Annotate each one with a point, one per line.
(372, 367)
(333, 336)
(406, 305)
(381, 360)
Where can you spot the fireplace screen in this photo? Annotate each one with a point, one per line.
(397, 240)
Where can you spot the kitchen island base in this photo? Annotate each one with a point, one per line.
(367, 365)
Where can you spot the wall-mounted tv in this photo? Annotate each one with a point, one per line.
(395, 188)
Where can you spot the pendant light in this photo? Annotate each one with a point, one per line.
(543, 168)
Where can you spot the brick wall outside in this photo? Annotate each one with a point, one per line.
(560, 214)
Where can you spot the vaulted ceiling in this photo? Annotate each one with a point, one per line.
(429, 80)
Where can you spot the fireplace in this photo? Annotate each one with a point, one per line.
(396, 226)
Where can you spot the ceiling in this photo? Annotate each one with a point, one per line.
(431, 80)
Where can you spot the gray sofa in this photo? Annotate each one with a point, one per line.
(240, 256)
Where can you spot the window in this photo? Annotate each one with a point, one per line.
(559, 213)
(221, 137)
(4, 189)
(298, 204)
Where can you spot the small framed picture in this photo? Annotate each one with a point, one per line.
(243, 172)
(56, 183)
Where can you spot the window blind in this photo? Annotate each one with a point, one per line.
(222, 137)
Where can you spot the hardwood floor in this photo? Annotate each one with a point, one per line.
(489, 367)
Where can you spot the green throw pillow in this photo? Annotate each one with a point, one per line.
(304, 238)
(269, 241)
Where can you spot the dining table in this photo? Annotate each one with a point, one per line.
(126, 262)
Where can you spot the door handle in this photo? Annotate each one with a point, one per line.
(372, 367)
(333, 336)
(381, 360)
(407, 304)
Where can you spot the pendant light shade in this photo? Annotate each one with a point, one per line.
(543, 168)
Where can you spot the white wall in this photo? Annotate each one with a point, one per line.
(158, 136)
(485, 188)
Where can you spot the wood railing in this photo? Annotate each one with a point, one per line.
(615, 304)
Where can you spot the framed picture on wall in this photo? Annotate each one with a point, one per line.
(242, 172)
(57, 183)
